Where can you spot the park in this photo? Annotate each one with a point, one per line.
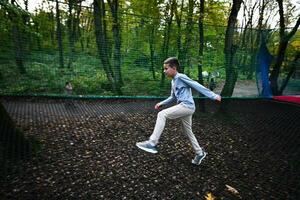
(80, 81)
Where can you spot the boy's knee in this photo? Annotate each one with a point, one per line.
(161, 114)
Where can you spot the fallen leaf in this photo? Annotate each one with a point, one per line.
(232, 190)
(209, 196)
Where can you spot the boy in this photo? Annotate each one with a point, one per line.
(181, 93)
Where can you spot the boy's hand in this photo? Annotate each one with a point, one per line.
(219, 98)
(157, 106)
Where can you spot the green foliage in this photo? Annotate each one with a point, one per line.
(86, 76)
(45, 28)
(143, 25)
(216, 13)
(139, 82)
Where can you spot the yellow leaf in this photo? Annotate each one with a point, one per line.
(209, 196)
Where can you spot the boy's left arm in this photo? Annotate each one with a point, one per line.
(200, 88)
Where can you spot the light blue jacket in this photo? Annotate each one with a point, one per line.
(181, 91)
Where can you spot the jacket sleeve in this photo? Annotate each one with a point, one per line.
(198, 87)
(168, 100)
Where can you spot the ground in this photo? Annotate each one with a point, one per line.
(88, 151)
(243, 88)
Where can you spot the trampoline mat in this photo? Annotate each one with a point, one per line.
(88, 151)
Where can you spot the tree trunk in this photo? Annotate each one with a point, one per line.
(114, 6)
(17, 40)
(249, 39)
(51, 19)
(151, 46)
(200, 53)
(77, 28)
(259, 35)
(71, 31)
(284, 39)
(100, 33)
(291, 72)
(188, 37)
(165, 50)
(59, 36)
(230, 50)
(18, 48)
(26, 37)
(178, 17)
(76, 24)
(86, 31)
(38, 38)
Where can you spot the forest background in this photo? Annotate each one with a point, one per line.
(117, 47)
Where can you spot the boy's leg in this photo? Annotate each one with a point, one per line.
(187, 129)
(174, 112)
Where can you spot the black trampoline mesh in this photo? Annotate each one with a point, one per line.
(88, 151)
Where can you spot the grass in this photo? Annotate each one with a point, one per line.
(44, 76)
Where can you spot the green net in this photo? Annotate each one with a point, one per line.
(34, 62)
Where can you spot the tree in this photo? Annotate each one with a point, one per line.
(16, 15)
(178, 17)
(151, 48)
(53, 33)
(44, 28)
(102, 44)
(188, 35)
(247, 42)
(85, 34)
(114, 7)
(169, 13)
(71, 30)
(59, 35)
(230, 50)
(291, 72)
(283, 43)
(201, 48)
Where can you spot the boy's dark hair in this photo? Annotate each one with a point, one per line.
(172, 62)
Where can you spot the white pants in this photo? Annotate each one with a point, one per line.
(175, 112)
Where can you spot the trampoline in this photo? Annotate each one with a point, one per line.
(292, 99)
(60, 140)
(88, 151)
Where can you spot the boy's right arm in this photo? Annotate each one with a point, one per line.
(170, 99)
(219, 98)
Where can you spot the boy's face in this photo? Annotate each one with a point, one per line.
(170, 71)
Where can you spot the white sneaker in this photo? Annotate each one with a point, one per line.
(198, 158)
(146, 146)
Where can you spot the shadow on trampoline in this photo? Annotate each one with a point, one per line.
(88, 151)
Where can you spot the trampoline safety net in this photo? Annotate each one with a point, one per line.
(75, 97)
